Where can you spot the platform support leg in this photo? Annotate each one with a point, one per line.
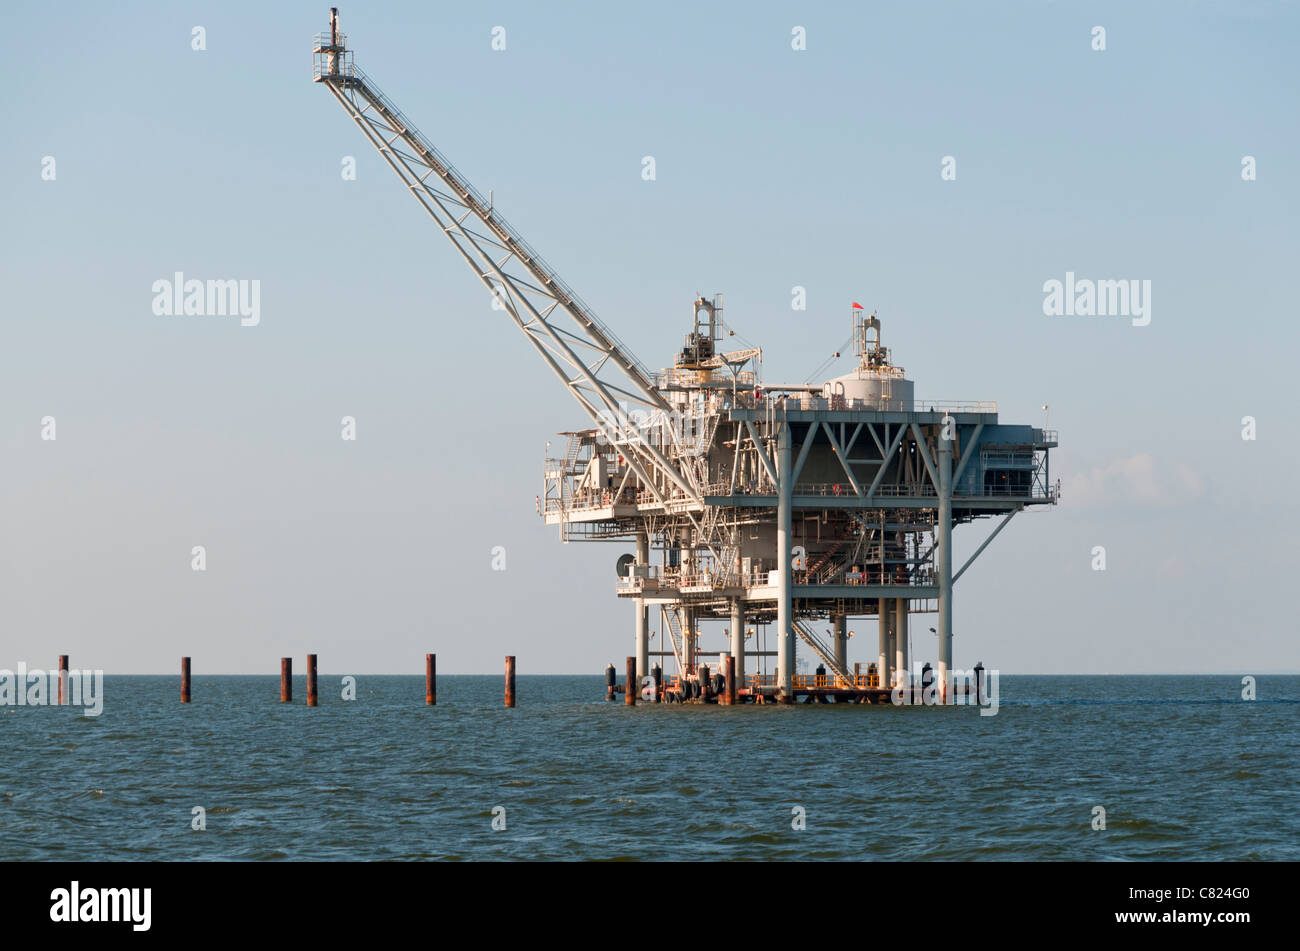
(784, 537)
(944, 565)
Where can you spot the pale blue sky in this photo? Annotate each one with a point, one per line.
(775, 168)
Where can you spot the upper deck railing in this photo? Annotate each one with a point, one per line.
(844, 404)
(678, 377)
(603, 499)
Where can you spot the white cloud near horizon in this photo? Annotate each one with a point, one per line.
(1139, 479)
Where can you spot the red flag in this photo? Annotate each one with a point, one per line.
(857, 306)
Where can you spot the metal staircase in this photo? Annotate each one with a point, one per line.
(805, 631)
(673, 626)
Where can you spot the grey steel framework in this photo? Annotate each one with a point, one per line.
(747, 502)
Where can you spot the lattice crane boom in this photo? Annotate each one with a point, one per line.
(599, 371)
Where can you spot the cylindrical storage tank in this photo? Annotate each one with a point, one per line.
(881, 390)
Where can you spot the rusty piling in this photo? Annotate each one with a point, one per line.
(657, 673)
(185, 680)
(629, 693)
(729, 671)
(286, 679)
(63, 679)
(430, 680)
(311, 680)
(510, 680)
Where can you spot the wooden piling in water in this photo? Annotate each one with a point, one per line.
(629, 693)
(510, 680)
(185, 680)
(286, 679)
(311, 680)
(430, 680)
(63, 679)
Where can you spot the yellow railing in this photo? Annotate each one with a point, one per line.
(801, 681)
(832, 681)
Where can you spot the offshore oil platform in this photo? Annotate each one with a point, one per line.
(759, 505)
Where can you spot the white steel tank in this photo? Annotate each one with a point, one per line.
(875, 383)
(883, 390)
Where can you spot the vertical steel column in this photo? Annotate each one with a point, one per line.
(629, 692)
(738, 638)
(885, 660)
(944, 565)
(784, 536)
(311, 680)
(185, 680)
(510, 680)
(900, 640)
(430, 680)
(642, 611)
(840, 627)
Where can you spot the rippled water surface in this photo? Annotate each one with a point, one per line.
(1184, 768)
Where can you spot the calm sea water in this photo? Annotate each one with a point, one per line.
(1184, 768)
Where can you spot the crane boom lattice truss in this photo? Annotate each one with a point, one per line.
(602, 375)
